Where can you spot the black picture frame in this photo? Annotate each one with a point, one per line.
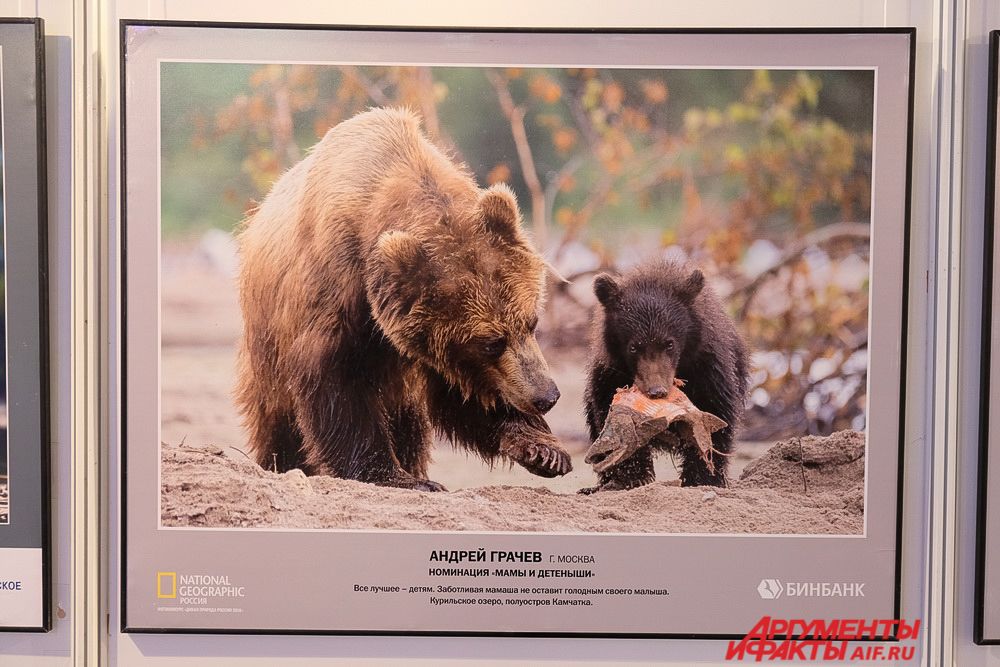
(22, 53)
(983, 504)
(128, 626)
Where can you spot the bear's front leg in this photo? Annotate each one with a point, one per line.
(694, 469)
(635, 471)
(498, 431)
(528, 441)
(339, 404)
(695, 472)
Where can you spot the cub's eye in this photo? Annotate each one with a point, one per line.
(494, 348)
(633, 348)
(669, 345)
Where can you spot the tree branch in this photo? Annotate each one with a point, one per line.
(428, 106)
(824, 236)
(374, 92)
(515, 116)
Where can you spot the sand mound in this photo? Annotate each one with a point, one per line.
(209, 487)
(827, 468)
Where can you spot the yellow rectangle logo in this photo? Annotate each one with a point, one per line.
(170, 589)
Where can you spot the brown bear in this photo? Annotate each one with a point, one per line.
(657, 322)
(385, 296)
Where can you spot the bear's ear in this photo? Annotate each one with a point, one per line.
(401, 252)
(398, 271)
(608, 290)
(692, 286)
(499, 213)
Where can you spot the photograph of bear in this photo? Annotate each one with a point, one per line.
(384, 296)
(379, 280)
(657, 322)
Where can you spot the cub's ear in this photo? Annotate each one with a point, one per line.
(499, 213)
(608, 290)
(397, 272)
(692, 286)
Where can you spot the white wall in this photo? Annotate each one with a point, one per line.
(930, 277)
(939, 479)
(982, 17)
(57, 646)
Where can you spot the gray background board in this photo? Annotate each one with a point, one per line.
(326, 564)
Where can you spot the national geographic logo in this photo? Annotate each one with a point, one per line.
(166, 585)
(772, 589)
(196, 589)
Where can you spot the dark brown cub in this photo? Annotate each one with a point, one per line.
(655, 323)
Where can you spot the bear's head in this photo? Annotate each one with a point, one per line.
(463, 298)
(649, 323)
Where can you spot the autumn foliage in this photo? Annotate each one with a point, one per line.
(763, 178)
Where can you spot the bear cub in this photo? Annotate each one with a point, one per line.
(655, 323)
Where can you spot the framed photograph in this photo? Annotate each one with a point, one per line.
(528, 332)
(986, 626)
(24, 415)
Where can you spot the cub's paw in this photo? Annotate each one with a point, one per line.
(610, 486)
(719, 479)
(613, 485)
(405, 481)
(427, 485)
(542, 459)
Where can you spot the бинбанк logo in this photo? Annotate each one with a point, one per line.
(769, 589)
(772, 589)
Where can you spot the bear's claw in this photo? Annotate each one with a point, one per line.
(545, 461)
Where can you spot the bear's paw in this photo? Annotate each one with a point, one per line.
(545, 459)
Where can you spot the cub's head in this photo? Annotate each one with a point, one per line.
(649, 323)
(463, 298)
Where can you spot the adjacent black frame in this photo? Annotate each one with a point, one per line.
(124, 24)
(989, 231)
(36, 385)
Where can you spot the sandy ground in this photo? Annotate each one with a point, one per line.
(801, 486)
(200, 323)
